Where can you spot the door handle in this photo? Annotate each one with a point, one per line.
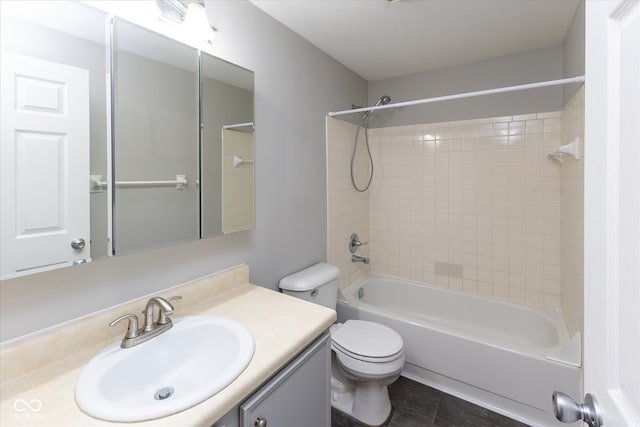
(568, 410)
(78, 243)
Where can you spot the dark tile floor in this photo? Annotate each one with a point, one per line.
(417, 405)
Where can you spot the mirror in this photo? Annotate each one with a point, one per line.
(227, 134)
(171, 130)
(54, 135)
(155, 140)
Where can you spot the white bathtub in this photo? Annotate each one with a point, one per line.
(489, 352)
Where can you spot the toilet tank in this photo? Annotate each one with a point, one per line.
(317, 284)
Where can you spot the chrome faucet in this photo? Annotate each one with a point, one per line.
(151, 328)
(165, 309)
(356, 258)
(354, 244)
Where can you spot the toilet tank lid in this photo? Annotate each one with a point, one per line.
(310, 278)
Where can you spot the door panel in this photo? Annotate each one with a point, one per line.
(612, 209)
(45, 164)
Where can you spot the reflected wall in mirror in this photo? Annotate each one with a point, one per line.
(155, 140)
(53, 135)
(227, 107)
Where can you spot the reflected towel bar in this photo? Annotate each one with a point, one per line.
(239, 125)
(98, 185)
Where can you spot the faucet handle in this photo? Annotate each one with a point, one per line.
(355, 243)
(163, 317)
(132, 327)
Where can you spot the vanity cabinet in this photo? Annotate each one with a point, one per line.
(298, 395)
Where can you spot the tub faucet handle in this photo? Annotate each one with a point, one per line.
(355, 243)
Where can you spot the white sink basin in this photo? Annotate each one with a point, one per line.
(189, 363)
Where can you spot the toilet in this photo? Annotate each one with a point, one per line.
(366, 356)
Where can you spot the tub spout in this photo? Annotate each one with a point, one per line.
(356, 258)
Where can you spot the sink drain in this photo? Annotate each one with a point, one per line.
(164, 393)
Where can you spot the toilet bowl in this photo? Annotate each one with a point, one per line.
(369, 357)
(366, 356)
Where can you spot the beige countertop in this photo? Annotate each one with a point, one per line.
(39, 372)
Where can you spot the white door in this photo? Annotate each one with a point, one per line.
(44, 165)
(612, 210)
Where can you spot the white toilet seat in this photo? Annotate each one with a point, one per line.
(367, 350)
(360, 370)
(363, 358)
(367, 341)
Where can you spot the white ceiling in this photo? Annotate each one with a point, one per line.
(379, 39)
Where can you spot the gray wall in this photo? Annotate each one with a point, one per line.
(296, 85)
(528, 67)
(573, 51)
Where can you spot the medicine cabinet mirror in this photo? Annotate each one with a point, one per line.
(227, 140)
(155, 139)
(83, 182)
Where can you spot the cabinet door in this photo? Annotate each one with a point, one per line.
(299, 395)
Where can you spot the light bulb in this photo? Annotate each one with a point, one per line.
(197, 23)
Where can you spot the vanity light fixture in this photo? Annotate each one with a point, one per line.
(197, 23)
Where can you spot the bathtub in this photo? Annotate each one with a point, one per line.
(502, 356)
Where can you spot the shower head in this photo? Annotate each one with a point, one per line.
(383, 100)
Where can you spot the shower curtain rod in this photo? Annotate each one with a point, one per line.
(577, 79)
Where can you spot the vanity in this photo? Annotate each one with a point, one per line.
(285, 383)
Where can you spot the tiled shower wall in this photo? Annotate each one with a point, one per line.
(348, 210)
(473, 206)
(572, 217)
(238, 189)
